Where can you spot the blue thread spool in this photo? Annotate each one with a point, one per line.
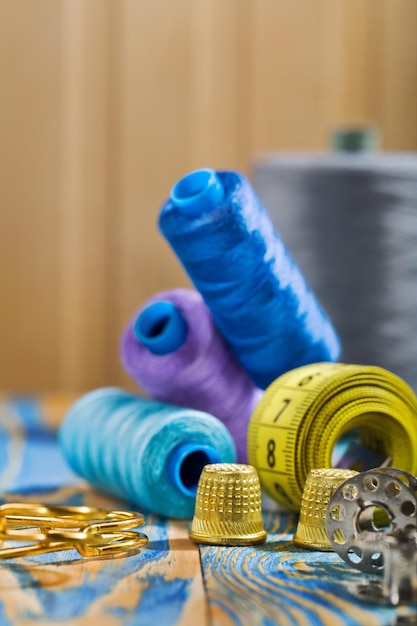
(257, 295)
(146, 452)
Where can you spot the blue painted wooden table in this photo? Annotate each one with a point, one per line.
(171, 580)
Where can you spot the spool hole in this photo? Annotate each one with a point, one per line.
(153, 321)
(191, 468)
(193, 184)
(197, 192)
(373, 519)
(161, 328)
(186, 463)
(158, 327)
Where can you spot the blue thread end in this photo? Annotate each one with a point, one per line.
(186, 464)
(161, 328)
(197, 192)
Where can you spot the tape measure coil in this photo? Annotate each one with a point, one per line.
(305, 412)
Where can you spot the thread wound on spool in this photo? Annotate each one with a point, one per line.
(350, 221)
(136, 448)
(305, 412)
(201, 373)
(257, 295)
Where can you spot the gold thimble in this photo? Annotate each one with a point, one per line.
(228, 508)
(318, 489)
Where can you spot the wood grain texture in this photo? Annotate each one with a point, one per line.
(398, 74)
(30, 128)
(84, 229)
(285, 106)
(171, 581)
(106, 103)
(162, 584)
(272, 584)
(278, 583)
(215, 97)
(153, 148)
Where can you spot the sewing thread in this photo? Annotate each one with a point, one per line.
(356, 247)
(143, 451)
(258, 298)
(172, 349)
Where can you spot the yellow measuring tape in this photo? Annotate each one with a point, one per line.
(305, 412)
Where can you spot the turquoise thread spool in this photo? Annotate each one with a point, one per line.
(146, 452)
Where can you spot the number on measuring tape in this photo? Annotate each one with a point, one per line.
(270, 459)
(304, 381)
(285, 403)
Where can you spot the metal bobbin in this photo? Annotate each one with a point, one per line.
(369, 516)
(399, 582)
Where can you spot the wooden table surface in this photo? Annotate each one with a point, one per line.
(170, 581)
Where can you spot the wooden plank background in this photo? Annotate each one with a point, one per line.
(105, 103)
(174, 582)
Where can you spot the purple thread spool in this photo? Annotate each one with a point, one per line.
(172, 349)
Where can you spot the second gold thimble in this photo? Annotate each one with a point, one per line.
(228, 506)
(319, 488)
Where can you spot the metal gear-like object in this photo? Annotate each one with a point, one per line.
(369, 514)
